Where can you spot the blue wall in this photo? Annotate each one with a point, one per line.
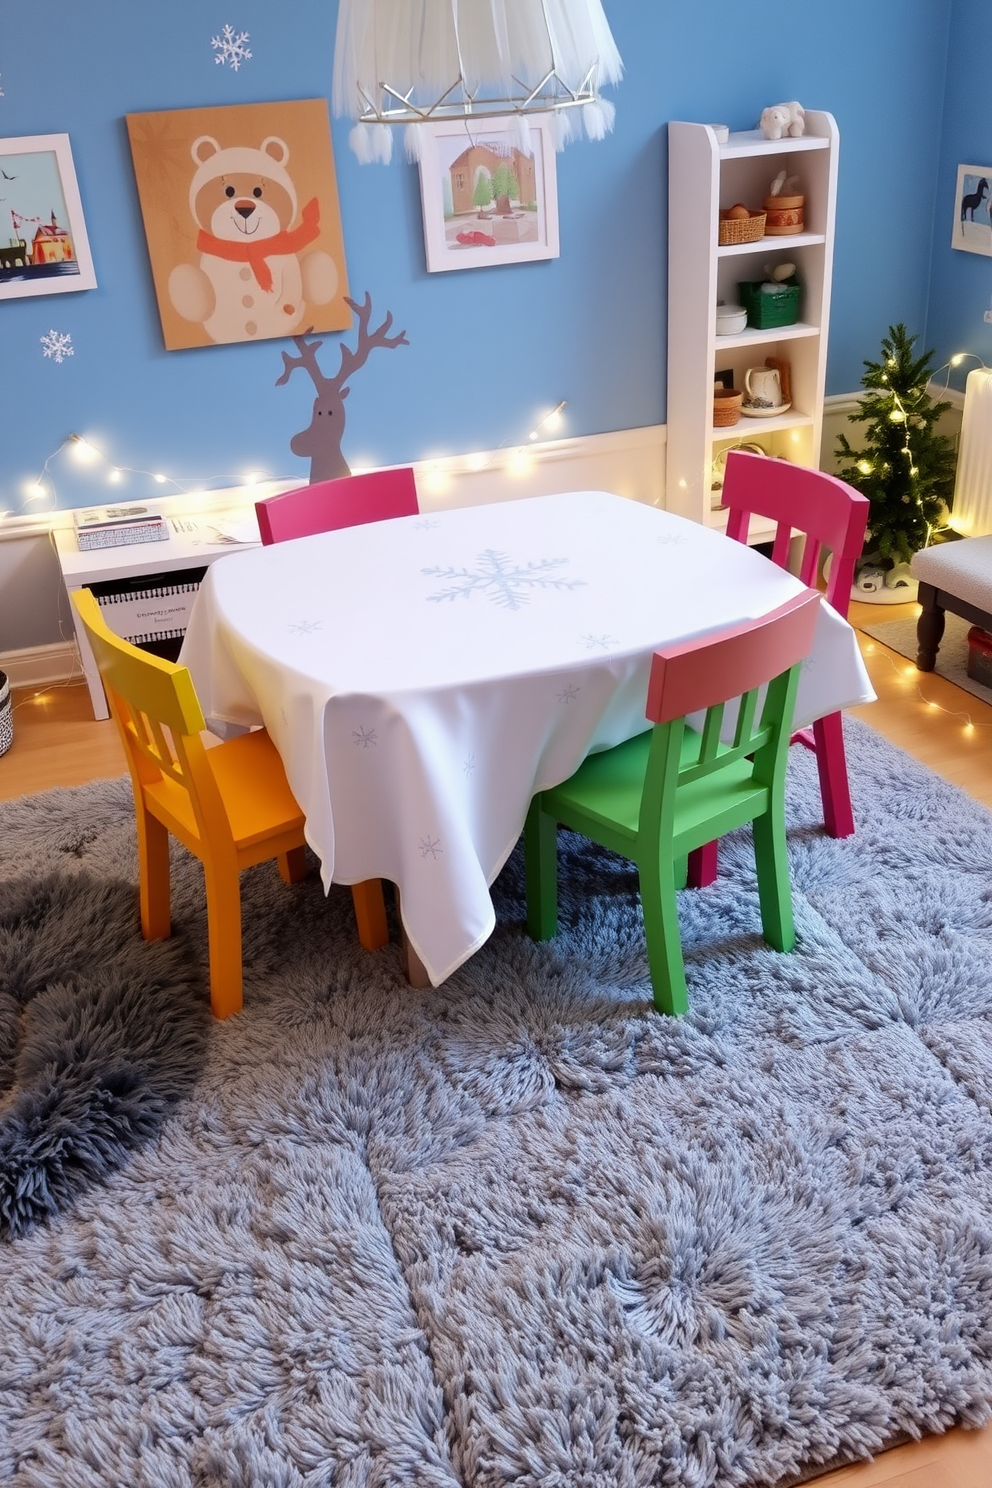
(489, 348)
(961, 284)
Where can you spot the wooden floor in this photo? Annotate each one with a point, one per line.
(57, 742)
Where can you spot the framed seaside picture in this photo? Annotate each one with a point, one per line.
(43, 244)
(485, 200)
(972, 229)
(240, 206)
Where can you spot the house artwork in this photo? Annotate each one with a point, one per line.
(495, 185)
(34, 244)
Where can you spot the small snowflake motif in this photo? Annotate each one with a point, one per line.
(230, 48)
(365, 738)
(672, 539)
(304, 627)
(430, 847)
(427, 524)
(469, 765)
(57, 345)
(569, 693)
(597, 642)
(506, 583)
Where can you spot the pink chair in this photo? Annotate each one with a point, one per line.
(828, 513)
(328, 505)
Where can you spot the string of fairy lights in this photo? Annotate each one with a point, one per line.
(86, 452)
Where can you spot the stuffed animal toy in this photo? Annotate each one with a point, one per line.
(783, 119)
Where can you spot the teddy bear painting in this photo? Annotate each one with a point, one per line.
(242, 221)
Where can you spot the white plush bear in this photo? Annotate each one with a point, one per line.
(781, 119)
(252, 280)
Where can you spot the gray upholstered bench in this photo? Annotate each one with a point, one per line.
(955, 576)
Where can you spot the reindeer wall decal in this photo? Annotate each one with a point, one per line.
(321, 439)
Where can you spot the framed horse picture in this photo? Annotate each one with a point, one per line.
(972, 230)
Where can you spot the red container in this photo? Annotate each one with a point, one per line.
(980, 656)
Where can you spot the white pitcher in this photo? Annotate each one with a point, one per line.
(762, 387)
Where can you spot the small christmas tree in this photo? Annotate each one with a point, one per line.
(905, 469)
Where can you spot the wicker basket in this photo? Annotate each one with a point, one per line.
(741, 229)
(726, 407)
(765, 311)
(6, 715)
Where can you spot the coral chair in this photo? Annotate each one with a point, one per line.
(230, 805)
(666, 792)
(327, 505)
(827, 513)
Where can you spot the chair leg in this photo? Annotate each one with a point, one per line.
(664, 942)
(224, 936)
(774, 886)
(704, 865)
(293, 865)
(370, 914)
(153, 876)
(831, 764)
(541, 867)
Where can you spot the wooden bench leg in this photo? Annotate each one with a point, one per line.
(929, 628)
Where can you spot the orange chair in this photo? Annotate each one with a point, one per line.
(328, 505)
(830, 514)
(231, 805)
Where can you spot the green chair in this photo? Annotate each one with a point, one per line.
(658, 796)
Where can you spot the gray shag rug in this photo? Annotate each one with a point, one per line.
(100, 1035)
(521, 1229)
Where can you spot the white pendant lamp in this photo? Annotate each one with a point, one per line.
(409, 62)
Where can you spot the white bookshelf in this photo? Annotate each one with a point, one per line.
(704, 177)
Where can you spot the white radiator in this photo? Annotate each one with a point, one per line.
(972, 511)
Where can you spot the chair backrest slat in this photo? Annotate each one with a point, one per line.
(827, 511)
(326, 506)
(696, 674)
(159, 717)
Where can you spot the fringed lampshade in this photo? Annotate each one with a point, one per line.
(413, 61)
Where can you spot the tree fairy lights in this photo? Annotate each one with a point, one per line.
(905, 468)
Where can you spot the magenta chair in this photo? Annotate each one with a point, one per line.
(828, 513)
(328, 505)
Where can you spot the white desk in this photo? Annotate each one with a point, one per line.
(423, 677)
(183, 549)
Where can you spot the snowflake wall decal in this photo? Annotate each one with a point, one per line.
(506, 583)
(57, 345)
(230, 48)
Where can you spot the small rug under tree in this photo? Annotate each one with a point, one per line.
(521, 1229)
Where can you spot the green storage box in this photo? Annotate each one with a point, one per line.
(765, 311)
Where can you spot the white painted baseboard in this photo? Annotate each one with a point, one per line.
(39, 666)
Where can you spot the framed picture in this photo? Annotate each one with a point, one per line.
(43, 244)
(485, 200)
(972, 230)
(240, 206)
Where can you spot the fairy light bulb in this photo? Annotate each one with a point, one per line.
(865, 467)
(115, 477)
(84, 452)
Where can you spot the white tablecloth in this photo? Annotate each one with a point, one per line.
(423, 677)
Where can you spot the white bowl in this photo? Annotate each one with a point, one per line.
(730, 319)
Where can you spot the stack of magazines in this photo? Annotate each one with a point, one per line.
(117, 526)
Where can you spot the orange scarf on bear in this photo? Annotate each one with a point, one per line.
(256, 253)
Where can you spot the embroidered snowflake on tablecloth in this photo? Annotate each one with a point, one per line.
(427, 524)
(469, 765)
(569, 693)
(672, 539)
(365, 737)
(304, 627)
(57, 345)
(506, 583)
(230, 48)
(430, 847)
(597, 642)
